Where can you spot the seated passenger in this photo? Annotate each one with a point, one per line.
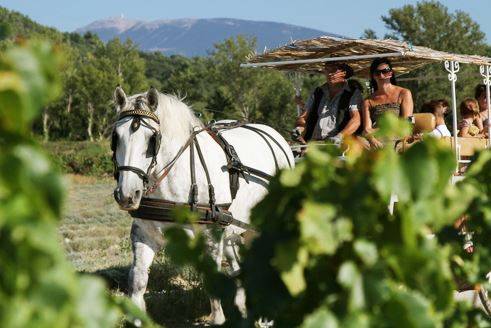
(332, 110)
(480, 95)
(386, 97)
(471, 123)
(439, 108)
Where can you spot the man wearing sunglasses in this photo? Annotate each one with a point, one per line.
(332, 110)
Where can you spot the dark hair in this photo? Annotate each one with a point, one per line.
(465, 106)
(479, 90)
(430, 106)
(345, 67)
(376, 62)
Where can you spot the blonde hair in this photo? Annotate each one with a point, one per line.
(469, 106)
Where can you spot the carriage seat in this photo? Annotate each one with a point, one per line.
(424, 123)
(468, 145)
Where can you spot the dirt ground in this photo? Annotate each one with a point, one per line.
(96, 237)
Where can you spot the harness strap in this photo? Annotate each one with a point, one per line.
(253, 171)
(165, 171)
(194, 186)
(259, 131)
(142, 174)
(213, 213)
(234, 164)
(162, 210)
(211, 189)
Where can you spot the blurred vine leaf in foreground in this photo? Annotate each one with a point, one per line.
(329, 254)
(38, 287)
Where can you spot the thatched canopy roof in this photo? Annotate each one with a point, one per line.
(310, 55)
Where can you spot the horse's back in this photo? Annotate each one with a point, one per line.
(262, 148)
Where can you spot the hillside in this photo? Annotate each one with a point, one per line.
(196, 37)
(19, 25)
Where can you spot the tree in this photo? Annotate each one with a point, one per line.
(100, 72)
(429, 23)
(369, 34)
(238, 85)
(264, 96)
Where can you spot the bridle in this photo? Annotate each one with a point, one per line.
(153, 145)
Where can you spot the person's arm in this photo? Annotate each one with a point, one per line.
(367, 125)
(365, 116)
(353, 123)
(479, 124)
(407, 105)
(302, 118)
(356, 103)
(464, 129)
(301, 121)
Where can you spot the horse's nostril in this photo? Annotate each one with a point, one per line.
(117, 194)
(138, 194)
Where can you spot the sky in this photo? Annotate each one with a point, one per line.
(349, 18)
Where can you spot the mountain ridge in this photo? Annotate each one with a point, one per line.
(196, 36)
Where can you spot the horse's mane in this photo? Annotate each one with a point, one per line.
(177, 119)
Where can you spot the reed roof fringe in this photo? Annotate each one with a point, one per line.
(409, 57)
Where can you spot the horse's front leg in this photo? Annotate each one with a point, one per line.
(231, 245)
(215, 247)
(144, 249)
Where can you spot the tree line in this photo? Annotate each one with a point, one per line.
(215, 86)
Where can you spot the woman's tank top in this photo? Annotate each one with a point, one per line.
(378, 110)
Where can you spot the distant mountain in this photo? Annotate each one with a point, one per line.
(196, 37)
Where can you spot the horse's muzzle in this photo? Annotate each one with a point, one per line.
(127, 202)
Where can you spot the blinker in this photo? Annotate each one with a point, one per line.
(135, 124)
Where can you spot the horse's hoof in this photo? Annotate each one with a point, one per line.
(207, 321)
(264, 323)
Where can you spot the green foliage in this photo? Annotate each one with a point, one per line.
(82, 157)
(356, 264)
(20, 26)
(330, 254)
(369, 34)
(38, 288)
(430, 24)
(215, 86)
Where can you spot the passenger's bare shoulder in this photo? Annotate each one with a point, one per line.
(404, 91)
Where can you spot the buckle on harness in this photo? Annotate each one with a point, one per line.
(217, 216)
(194, 196)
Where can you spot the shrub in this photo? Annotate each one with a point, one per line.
(82, 157)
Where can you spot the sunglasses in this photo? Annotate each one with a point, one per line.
(383, 71)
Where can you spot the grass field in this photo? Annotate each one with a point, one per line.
(96, 237)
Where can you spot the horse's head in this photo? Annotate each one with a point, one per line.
(135, 144)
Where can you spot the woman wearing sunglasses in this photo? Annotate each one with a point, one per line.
(387, 97)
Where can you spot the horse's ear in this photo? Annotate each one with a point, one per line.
(120, 98)
(153, 98)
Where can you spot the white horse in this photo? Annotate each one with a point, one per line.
(177, 122)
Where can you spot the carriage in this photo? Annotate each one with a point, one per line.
(309, 56)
